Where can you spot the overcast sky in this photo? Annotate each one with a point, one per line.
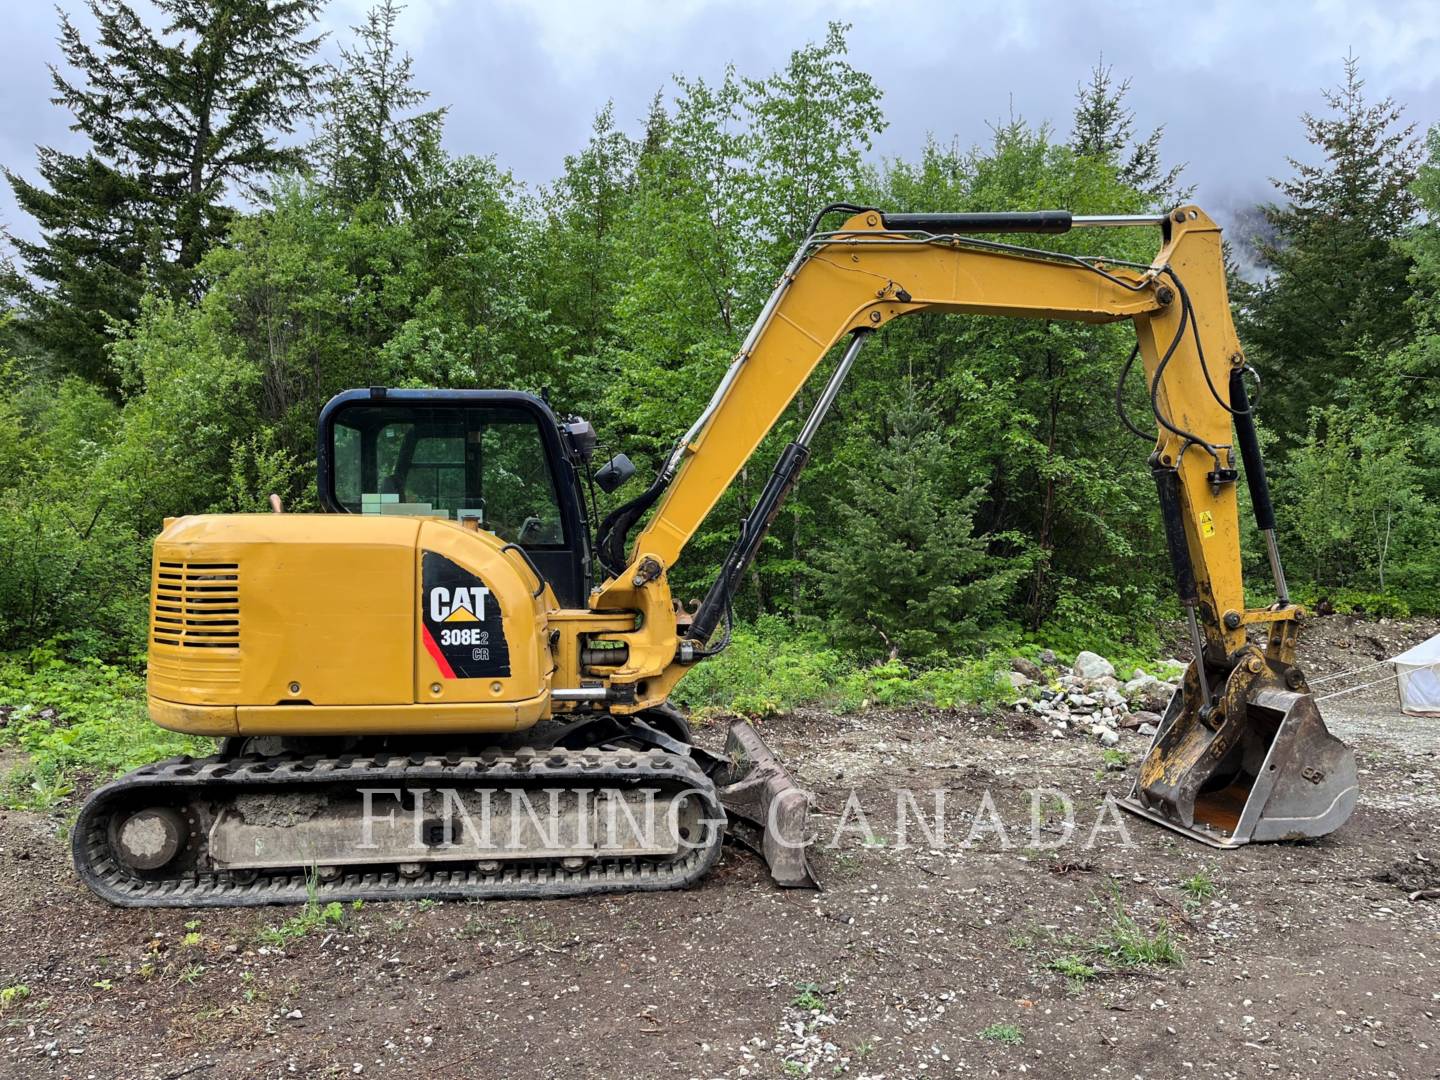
(524, 79)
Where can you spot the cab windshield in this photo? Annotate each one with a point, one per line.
(484, 463)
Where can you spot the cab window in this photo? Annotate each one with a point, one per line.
(485, 463)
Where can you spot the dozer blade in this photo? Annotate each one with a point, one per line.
(1270, 771)
(765, 810)
(755, 788)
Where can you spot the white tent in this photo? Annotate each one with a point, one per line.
(1418, 671)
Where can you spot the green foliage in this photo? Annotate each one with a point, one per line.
(68, 580)
(1126, 943)
(1198, 887)
(165, 351)
(772, 668)
(809, 998)
(312, 917)
(1073, 968)
(901, 569)
(1115, 760)
(766, 670)
(1103, 128)
(13, 995)
(1337, 282)
(1009, 1034)
(369, 149)
(1361, 516)
(178, 120)
(76, 717)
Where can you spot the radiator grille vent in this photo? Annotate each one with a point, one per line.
(196, 605)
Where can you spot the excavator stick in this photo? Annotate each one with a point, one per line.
(1241, 753)
(1267, 769)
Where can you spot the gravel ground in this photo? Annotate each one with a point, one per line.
(932, 959)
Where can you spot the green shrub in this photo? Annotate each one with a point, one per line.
(771, 668)
(81, 581)
(767, 669)
(72, 718)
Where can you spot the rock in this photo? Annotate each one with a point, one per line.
(1113, 698)
(1104, 684)
(1155, 697)
(1109, 737)
(1089, 665)
(1028, 668)
(1139, 683)
(1131, 721)
(1019, 680)
(1146, 730)
(1048, 657)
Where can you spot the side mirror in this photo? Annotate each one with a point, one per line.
(614, 473)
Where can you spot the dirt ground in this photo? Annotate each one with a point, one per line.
(925, 960)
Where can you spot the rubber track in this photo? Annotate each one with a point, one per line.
(210, 779)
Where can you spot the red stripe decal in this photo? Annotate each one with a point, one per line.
(436, 654)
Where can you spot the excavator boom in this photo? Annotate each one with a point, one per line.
(1221, 757)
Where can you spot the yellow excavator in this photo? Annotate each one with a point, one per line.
(443, 687)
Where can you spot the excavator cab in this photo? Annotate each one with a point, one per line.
(495, 460)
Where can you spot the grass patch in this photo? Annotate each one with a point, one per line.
(1127, 944)
(1008, 1034)
(76, 717)
(1073, 968)
(11, 996)
(1198, 888)
(1115, 760)
(808, 998)
(771, 668)
(313, 916)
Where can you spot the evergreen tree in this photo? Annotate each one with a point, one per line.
(92, 263)
(179, 119)
(1104, 129)
(373, 146)
(901, 569)
(1338, 281)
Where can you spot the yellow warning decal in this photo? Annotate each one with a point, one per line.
(1207, 524)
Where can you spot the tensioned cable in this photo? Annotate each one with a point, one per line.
(1353, 689)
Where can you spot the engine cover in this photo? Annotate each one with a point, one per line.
(323, 624)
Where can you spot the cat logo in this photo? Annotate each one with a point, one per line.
(461, 604)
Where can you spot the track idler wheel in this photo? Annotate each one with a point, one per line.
(150, 838)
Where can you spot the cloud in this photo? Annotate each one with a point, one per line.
(524, 79)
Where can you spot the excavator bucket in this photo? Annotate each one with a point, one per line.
(766, 809)
(1268, 770)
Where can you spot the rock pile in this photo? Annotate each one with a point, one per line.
(1086, 698)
